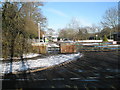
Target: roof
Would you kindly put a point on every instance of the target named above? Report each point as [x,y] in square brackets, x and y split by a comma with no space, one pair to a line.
[118,33]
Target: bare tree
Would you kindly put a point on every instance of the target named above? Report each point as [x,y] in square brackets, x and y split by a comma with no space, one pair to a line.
[110,18]
[74,24]
[68,33]
[74,31]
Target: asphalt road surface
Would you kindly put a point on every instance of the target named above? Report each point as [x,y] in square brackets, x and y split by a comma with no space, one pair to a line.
[93,70]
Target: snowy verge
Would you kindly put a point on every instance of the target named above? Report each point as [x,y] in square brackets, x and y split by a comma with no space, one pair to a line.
[29,55]
[39,63]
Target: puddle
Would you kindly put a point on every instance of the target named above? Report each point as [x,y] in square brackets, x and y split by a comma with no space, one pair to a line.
[109,77]
[29,79]
[92,77]
[22,79]
[42,79]
[80,70]
[89,80]
[4,79]
[96,74]
[58,79]
[74,78]
[112,70]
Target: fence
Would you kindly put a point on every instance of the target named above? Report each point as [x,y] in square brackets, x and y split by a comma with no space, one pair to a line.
[73,47]
[99,47]
[53,49]
[40,49]
[67,48]
[44,48]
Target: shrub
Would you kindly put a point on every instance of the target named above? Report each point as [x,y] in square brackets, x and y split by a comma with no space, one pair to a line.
[105,39]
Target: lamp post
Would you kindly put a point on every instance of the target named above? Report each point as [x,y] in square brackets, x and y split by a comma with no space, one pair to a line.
[110,34]
[96,36]
[40,24]
[43,38]
[39,31]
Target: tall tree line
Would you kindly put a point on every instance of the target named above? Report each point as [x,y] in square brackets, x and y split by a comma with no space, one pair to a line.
[108,25]
[19,23]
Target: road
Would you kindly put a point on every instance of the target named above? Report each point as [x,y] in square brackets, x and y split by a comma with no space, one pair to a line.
[93,70]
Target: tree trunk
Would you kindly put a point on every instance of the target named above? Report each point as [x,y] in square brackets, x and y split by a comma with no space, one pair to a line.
[12,54]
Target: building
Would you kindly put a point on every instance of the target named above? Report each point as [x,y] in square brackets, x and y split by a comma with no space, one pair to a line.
[51,35]
[116,37]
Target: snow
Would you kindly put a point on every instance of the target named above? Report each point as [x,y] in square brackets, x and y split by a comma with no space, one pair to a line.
[90,44]
[1,58]
[108,46]
[30,55]
[93,40]
[87,41]
[114,45]
[52,45]
[38,63]
[45,44]
[39,44]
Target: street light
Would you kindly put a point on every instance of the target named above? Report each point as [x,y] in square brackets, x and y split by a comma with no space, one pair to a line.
[110,34]
[39,31]
[96,36]
[43,38]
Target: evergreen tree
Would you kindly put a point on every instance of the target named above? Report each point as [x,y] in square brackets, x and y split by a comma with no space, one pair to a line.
[105,38]
[17,27]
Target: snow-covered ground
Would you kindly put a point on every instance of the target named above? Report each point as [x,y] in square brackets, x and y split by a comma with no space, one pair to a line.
[110,40]
[29,55]
[42,62]
[90,44]
[87,41]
